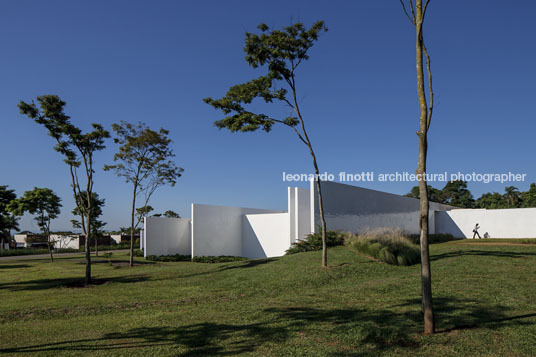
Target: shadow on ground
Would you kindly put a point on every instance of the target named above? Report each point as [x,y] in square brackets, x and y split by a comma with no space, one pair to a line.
[352,330]
[14,266]
[42,284]
[483,253]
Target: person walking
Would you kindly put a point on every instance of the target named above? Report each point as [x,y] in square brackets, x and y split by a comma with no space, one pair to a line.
[475,232]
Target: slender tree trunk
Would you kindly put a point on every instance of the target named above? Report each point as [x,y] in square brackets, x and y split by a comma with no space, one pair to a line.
[306,140]
[2,247]
[88,246]
[132,213]
[321,211]
[424,121]
[49,247]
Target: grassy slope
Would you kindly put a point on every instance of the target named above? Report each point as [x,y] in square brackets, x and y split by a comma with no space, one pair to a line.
[484,298]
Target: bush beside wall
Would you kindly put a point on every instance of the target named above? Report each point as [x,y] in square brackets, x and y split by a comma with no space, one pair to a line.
[389,245]
[314,242]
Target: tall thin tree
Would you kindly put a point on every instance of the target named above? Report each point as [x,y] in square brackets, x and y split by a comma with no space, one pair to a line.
[281,52]
[416,17]
[78,149]
[144,161]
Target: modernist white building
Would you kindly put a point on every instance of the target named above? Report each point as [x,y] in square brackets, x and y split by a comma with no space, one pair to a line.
[259,233]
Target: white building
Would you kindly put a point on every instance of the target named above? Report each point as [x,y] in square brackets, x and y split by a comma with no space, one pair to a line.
[260,233]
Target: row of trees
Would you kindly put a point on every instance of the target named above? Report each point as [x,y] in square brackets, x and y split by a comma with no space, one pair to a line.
[456,193]
[144,160]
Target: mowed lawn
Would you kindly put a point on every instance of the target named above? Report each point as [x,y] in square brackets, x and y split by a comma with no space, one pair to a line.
[484,295]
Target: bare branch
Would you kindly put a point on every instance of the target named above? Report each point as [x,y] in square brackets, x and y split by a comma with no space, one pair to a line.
[412,20]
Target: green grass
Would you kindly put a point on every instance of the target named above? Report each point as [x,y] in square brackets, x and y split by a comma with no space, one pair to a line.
[484,297]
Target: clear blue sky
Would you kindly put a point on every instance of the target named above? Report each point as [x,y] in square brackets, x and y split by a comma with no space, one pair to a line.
[154,61]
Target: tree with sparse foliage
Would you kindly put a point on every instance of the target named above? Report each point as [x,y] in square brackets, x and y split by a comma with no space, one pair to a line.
[44,204]
[8,221]
[280,52]
[171,214]
[96,211]
[144,160]
[78,149]
[416,17]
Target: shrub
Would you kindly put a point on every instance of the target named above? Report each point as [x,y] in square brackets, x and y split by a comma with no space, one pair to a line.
[314,242]
[138,253]
[389,245]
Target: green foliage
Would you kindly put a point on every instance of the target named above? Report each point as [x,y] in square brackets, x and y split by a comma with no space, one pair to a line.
[187,258]
[457,194]
[41,202]
[388,245]
[144,160]
[8,220]
[280,52]
[314,242]
[171,214]
[96,211]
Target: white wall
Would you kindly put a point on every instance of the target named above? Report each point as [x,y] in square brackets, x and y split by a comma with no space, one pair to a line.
[353,209]
[65,241]
[265,235]
[166,236]
[498,223]
[303,213]
[217,230]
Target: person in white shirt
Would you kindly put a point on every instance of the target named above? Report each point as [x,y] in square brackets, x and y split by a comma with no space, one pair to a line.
[475,231]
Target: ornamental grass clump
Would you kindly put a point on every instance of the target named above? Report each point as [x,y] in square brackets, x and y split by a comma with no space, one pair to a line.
[389,245]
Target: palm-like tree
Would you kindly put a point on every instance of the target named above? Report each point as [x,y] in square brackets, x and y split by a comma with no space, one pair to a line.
[512,195]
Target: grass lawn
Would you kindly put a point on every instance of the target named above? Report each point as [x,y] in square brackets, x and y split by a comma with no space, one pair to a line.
[484,295]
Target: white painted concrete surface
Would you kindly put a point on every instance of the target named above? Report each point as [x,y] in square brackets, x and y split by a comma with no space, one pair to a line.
[354,209]
[498,223]
[265,235]
[217,230]
[168,236]
[61,241]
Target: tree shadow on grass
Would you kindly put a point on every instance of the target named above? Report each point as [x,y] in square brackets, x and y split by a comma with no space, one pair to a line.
[483,253]
[233,265]
[346,331]
[43,284]
[14,266]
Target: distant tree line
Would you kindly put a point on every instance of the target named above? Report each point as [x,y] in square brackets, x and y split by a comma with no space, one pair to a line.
[457,194]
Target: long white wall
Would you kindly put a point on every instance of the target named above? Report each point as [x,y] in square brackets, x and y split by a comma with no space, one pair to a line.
[498,223]
[353,209]
[167,236]
[265,235]
[217,230]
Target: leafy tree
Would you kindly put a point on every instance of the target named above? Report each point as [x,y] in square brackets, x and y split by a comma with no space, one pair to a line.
[280,52]
[512,196]
[455,193]
[171,214]
[417,16]
[8,221]
[491,201]
[528,198]
[96,211]
[78,149]
[144,161]
[434,195]
[44,204]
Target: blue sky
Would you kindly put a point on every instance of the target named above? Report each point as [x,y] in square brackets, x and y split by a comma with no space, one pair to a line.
[154,61]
